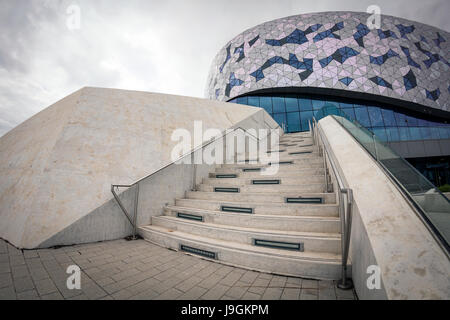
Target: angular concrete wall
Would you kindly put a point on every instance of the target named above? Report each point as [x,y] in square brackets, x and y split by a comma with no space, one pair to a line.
[386,231]
[58,166]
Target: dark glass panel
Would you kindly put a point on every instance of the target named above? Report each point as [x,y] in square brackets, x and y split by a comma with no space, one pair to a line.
[346,105]
[380,133]
[389,118]
[253,101]
[362,116]
[305,104]
[425,132]
[404,133]
[293,121]
[318,104]
[375,117]
[266,103]
[414,133]
[291,104]
[278,105]
[392,134]
[305,116]
[280,118]
[242,100]
[400,118]
[412,122]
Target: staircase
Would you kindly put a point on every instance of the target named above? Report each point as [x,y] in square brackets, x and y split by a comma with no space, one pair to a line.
[284,224]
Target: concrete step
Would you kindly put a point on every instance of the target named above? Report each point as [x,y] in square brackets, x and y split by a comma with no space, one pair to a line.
[313,242]
[284,181]
[278,197]
[292,263]
[273,222]
[295,165]
[248,189]
[283,171]
[330,209]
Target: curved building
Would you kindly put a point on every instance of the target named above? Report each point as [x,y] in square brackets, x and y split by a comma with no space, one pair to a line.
[394,80]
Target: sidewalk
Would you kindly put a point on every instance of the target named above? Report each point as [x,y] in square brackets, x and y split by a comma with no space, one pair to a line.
[140,270]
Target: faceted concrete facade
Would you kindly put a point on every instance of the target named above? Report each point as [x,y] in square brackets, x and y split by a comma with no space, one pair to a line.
[403,59]
[58,166]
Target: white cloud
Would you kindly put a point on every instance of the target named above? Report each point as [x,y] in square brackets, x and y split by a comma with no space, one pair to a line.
[159,46]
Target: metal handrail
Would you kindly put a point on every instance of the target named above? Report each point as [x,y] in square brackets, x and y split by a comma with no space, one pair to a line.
[345,208]
[133,220]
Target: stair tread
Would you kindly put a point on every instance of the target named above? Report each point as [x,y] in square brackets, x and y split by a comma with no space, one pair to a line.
[279,193]
[312,256]
[278,204]
[268,216]
[284,233]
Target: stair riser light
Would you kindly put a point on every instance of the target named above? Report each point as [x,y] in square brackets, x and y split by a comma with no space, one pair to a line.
[227,190]
[189,216]
[199,252]
[279,245]
[304,200]
[236,209]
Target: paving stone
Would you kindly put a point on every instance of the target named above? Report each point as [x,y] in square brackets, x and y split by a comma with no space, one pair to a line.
[189,283]
[327,294]
[23,284]
[216,292]
[45,287]
[4,267]
[291,294]
[193,294]
[28,295]
[272,294]
[5,280]
[249,276]
[30,254]
[170,294]
[146,295]
[7,293]
[20,271]
[4,258]
[93,291]
[52,296]
[237,291]
[278,282]
[345,294]
[251,296]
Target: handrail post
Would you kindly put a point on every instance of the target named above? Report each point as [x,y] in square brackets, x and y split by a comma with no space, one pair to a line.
[346,223]
[136,203]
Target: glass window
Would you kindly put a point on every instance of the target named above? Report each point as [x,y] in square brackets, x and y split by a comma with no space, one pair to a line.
[350,113]
[412,122]
[388,117]
[444,132]
[253,101]
[362,116]
[278,105]
[281,119]
[434,133]
[266,103]
[425,133]
[414,133]
[375,117]
[404,133]
[291,104]
[392,134]
[293,121]
[305,104]
[305,116]
[346,105]
[380,133]
[317,104]
[242,100]
[400,118]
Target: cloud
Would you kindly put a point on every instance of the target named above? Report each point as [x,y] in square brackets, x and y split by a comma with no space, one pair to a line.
[158,46]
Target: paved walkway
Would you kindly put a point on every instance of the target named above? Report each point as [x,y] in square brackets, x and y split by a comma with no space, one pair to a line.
[140,270]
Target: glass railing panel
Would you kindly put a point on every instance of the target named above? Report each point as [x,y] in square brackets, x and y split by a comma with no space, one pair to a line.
[435,207]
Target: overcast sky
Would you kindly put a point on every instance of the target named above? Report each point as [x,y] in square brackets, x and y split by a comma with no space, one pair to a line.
[159,46]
